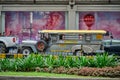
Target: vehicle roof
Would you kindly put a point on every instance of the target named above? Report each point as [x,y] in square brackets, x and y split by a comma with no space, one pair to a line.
[75,31]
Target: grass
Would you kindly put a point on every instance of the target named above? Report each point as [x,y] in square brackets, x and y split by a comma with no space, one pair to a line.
[43,74]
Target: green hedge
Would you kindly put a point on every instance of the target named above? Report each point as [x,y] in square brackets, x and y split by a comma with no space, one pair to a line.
[32,61]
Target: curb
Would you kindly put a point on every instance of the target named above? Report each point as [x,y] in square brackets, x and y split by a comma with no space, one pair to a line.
[50,78]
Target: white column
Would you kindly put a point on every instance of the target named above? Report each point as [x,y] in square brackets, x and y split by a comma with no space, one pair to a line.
[77,20]
[66,20]
[2,22]
[71,17]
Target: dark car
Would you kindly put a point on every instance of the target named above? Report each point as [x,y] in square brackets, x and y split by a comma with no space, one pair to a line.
[112,46]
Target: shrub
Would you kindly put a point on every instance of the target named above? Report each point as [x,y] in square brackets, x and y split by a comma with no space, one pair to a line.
[60,70]
[103,65]
[104,60]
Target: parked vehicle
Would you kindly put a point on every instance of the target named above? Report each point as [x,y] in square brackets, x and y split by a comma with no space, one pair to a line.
[112,46]
[7,43]
[77,42]
[28,46]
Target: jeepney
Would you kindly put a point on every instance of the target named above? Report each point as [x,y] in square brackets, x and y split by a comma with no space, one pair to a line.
[77,42]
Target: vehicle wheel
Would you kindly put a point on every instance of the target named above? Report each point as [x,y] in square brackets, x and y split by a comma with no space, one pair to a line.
[41,46]
[26,51]
[78,53]
[2,48]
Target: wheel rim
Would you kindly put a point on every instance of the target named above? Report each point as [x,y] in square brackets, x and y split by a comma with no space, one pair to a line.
[79,53]
[2,49]
[41,46]
[26,51]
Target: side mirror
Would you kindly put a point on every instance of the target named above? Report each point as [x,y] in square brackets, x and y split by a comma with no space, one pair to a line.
[111,37]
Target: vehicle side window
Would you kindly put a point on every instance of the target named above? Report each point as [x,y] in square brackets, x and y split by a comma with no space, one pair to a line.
[61,37]
[107,43]
[115,43]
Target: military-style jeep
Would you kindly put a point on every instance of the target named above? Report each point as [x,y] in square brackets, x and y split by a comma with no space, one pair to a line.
[7,43]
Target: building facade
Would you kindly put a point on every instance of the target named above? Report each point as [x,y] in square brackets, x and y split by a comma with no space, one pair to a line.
[19,17]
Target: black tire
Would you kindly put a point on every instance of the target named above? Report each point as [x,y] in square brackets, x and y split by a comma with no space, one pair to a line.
[26,50]
[2,48]
[41,46]
[78,53]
